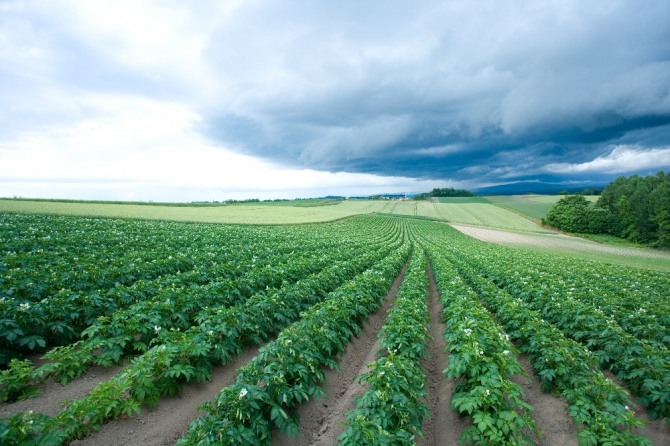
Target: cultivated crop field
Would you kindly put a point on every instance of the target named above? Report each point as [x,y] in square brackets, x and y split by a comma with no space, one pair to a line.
[473,211]
[533,206]
[373,329]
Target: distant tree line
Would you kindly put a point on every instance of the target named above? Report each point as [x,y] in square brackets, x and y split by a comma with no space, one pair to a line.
[583,192]
[444,192]
[636,208]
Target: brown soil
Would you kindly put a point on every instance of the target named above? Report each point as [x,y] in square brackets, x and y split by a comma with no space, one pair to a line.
[550,416]
[169,421]
[443,426]
[321,420]
[52,394]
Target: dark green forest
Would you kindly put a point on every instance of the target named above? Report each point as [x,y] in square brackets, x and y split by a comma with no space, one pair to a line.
[444,192]
[635,208]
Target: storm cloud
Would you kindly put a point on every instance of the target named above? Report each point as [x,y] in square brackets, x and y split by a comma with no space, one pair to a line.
[458,90]
[463,93]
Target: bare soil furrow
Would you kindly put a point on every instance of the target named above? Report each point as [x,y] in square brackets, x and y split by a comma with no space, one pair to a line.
[551,418]
[321,420]
[170,420]
[51,393]
[443,426]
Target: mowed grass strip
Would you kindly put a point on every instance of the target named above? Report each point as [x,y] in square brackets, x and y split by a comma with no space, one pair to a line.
[483,214]
[480,214]
[533,206]
[241,213]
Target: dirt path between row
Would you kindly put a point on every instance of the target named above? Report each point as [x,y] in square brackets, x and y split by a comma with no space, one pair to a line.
[321,420]
[549,414]
[443,426]
[51,393]
[169,421]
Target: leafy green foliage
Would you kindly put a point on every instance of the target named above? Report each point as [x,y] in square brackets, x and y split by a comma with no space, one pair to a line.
[637,208]
[570,317]
[445,192]
[599,408]
[483,358]
[288,371]
[574,213]
[392,410]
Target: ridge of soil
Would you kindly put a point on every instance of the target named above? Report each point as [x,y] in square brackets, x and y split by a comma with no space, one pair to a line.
[52,394]
[169,421]
[549,411]
[443,426]
[322,420]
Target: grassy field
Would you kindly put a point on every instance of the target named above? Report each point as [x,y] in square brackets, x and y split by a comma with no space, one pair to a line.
[533,206]
[244,213]
[472,213]
[461,200]
[607,250]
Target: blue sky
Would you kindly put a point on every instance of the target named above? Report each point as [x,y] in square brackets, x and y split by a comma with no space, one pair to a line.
[210,100]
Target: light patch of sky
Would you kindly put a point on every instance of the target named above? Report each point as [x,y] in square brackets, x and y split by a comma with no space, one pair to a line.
[622,158]
[135,99]
[148,150]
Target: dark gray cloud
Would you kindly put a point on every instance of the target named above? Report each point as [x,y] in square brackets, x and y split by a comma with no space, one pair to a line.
[469,92]
[491,91]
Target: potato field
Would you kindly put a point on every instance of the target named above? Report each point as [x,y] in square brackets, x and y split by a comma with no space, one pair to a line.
[369,330]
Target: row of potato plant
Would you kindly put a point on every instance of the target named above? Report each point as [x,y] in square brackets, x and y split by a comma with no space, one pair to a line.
[69,315]
[644,368]
[288,371]
[132,329]
[483,359]
[635,303]
[189,256]
[182,356]
[393,408]
[600,409]
[42,254]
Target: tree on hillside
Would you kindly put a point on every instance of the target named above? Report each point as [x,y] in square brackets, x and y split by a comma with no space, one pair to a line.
[636,208]
[641,206]
[445,192]
[569,214]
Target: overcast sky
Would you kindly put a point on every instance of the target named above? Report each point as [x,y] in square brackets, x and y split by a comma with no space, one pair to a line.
[210,100]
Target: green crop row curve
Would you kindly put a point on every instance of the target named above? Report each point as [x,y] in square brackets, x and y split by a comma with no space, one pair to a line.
[132,329]
[192,255]
[288,371]
[483,359]
[599,408]
[644,368]
[393,408]
[182,356]
[636,303]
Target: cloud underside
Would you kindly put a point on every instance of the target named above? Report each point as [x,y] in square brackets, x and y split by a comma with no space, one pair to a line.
[444,91]
[441,90]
